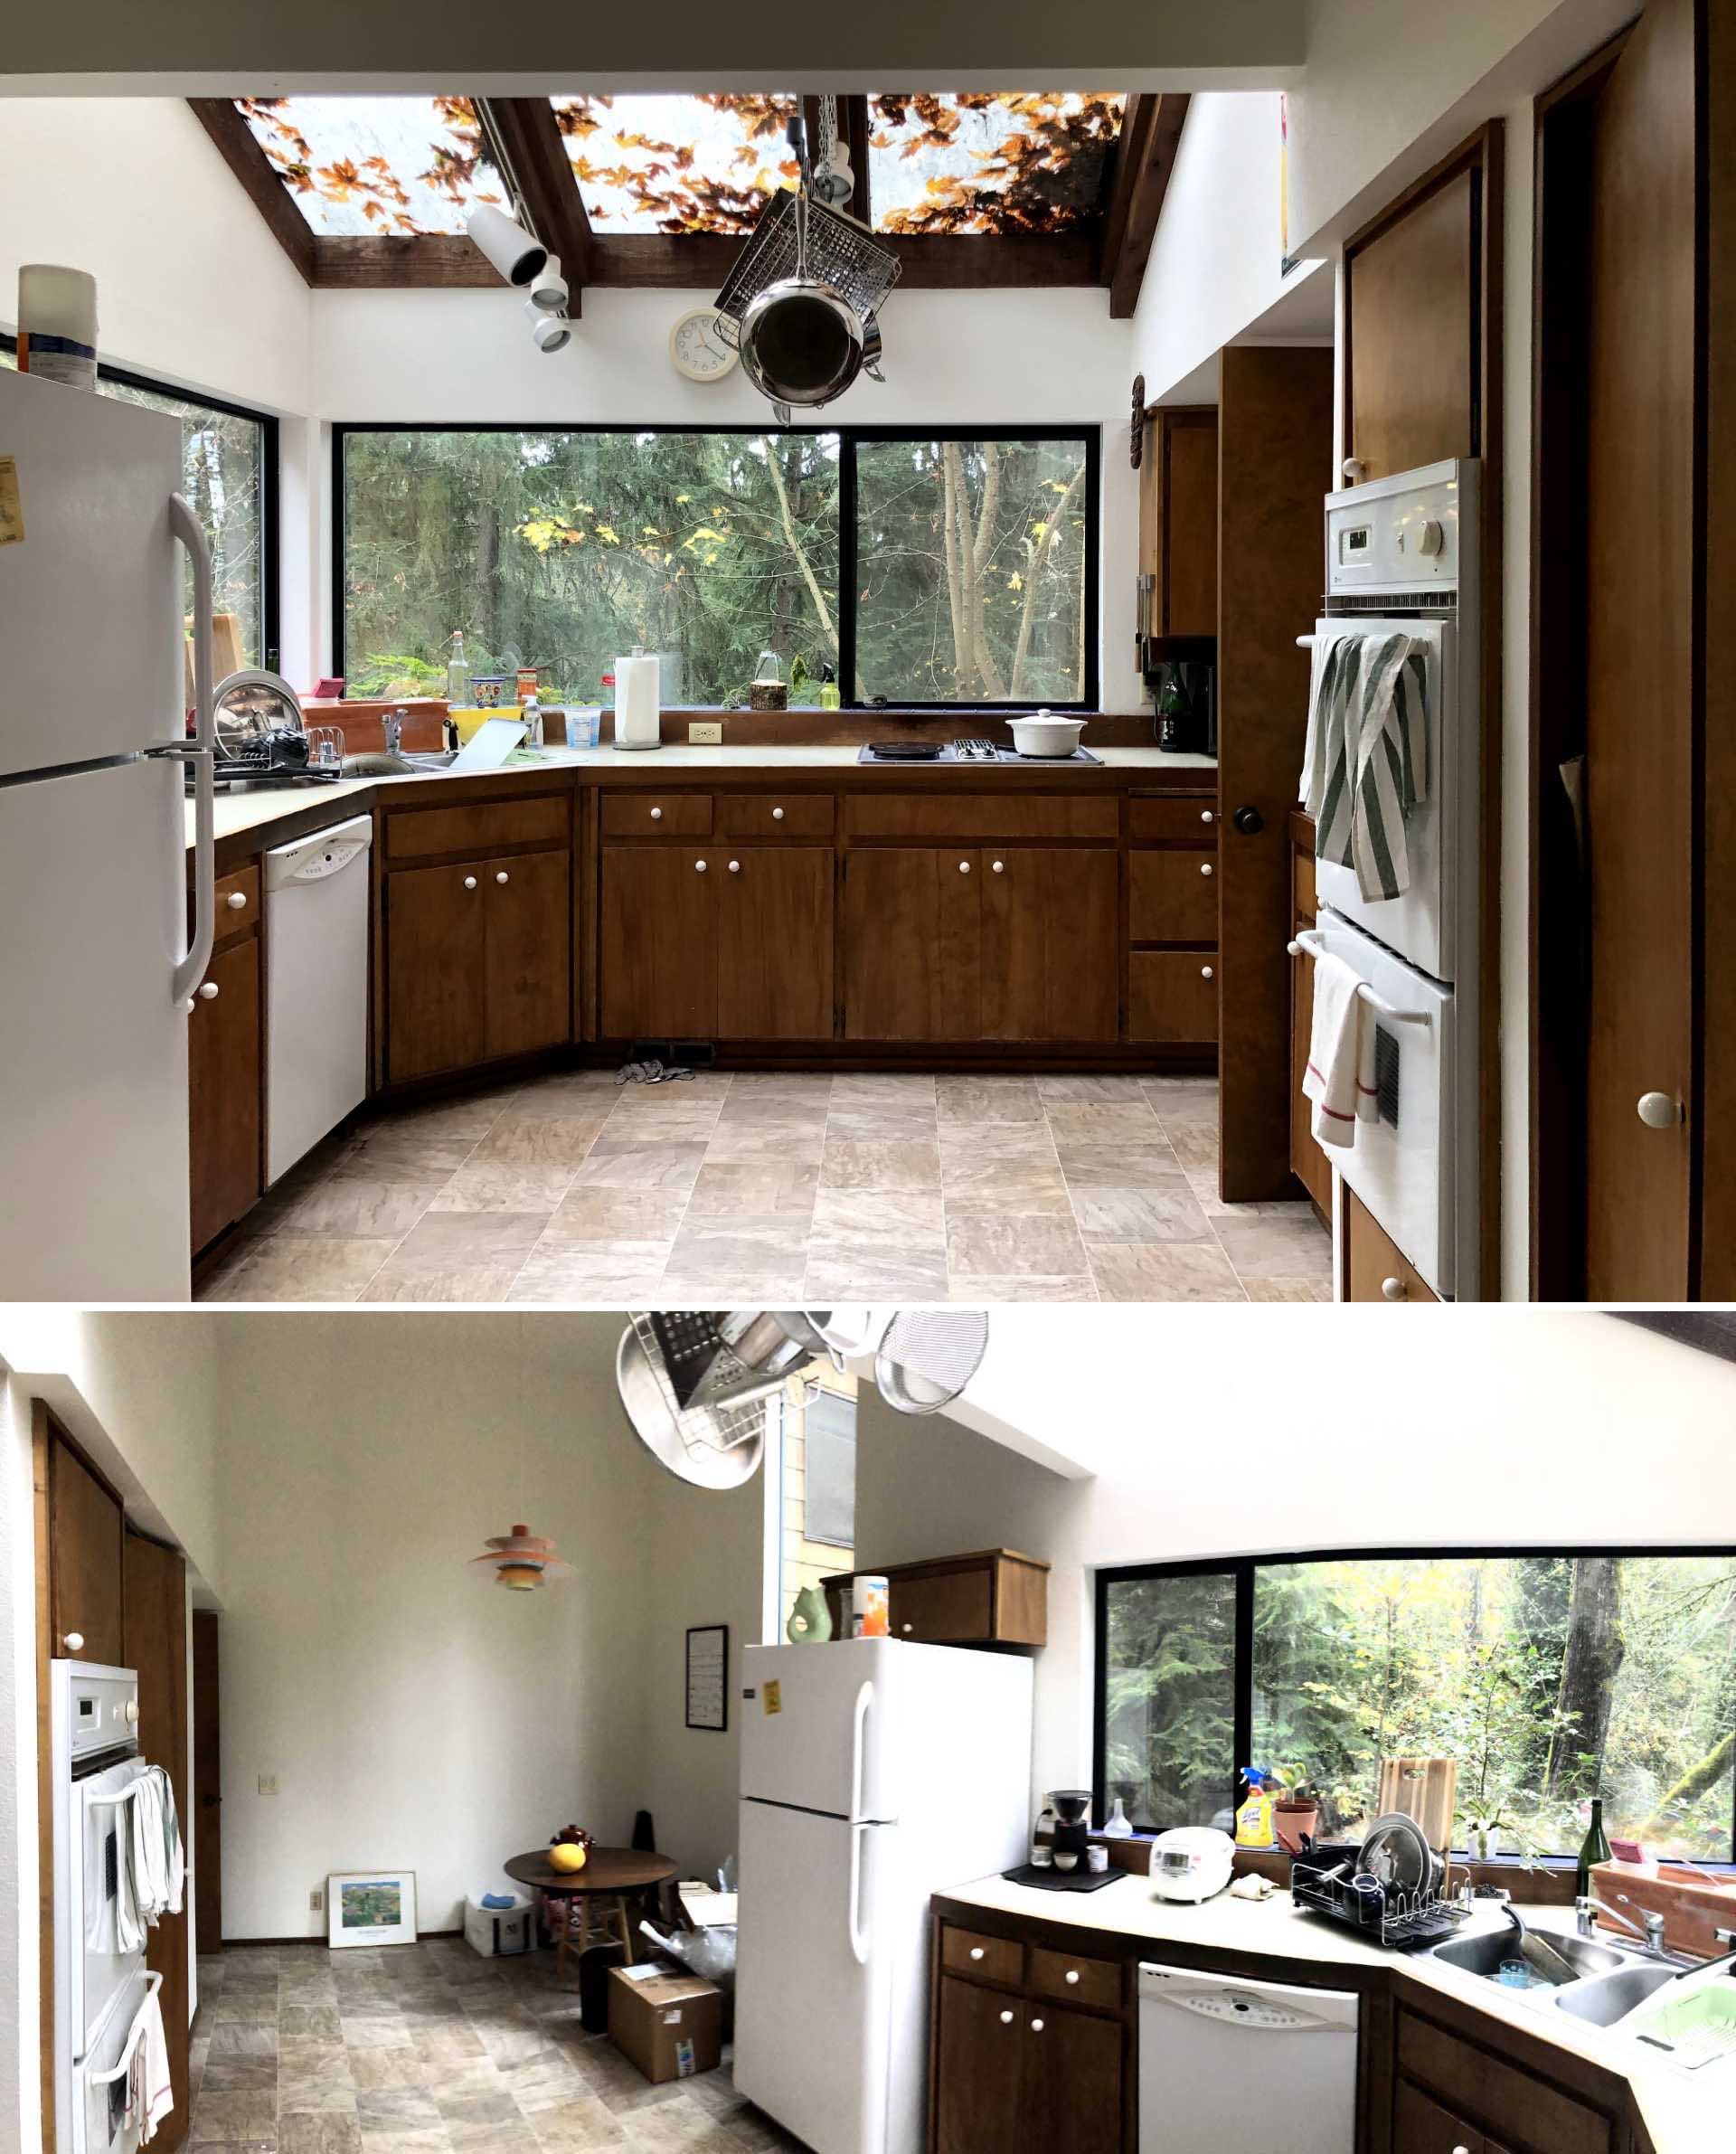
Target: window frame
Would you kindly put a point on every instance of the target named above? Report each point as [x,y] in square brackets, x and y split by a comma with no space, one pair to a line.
[1088,434]
[1241,1569]
[270,486]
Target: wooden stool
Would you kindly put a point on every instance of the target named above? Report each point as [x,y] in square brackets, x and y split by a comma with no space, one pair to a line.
[600,1921]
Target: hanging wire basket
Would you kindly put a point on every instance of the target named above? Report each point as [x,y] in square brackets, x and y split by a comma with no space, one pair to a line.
[837,252]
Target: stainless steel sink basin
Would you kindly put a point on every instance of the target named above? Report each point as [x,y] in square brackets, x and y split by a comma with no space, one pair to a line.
[1483,1955]
[1611,1996]
[438,760]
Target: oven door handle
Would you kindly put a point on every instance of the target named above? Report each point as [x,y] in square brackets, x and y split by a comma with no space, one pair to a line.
[153,1983]
[1308,944]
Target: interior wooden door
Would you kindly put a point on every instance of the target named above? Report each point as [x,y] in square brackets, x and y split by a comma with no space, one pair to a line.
[1413,332]
[912,943]
[224,1092]
[1275,450]
[775,941]
[528,916]
[85,1528]
[207,1785]
[156,1625]
[1639,663]
[1072,2081]
[977,2070]
[435,970]
[1050,939]
[659,959]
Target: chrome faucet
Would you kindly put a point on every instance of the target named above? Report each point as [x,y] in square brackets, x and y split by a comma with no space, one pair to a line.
[394,723]
[1649,1928]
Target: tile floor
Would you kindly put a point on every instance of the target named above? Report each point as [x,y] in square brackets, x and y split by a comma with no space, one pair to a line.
[812,1187]
[421,2049]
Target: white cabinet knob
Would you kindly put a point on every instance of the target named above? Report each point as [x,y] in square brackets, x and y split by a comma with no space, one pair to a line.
[699,867]
[73,1641]
[1206,816]
[907,1627]
[735,867]
[1658,1111]
[975,1951]
[1000,867]
[1461,2149]
[656,814]
[1393,1289]
[1072,1974]
[501,877]
[1006,2018]
[777,814]
[1205,972]
[236,901]
[963,867]
[1036,2026]
[469,882]
[1354,470]
[1206,867]
[208,990]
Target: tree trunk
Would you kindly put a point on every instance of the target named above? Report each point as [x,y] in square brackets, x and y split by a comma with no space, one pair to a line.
[952,485]
[987,672]
[1593,1655]
[1040,561]
[1692,1784]
[827,626]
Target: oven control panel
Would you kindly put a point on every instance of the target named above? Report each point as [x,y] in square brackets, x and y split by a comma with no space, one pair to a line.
[1397,535]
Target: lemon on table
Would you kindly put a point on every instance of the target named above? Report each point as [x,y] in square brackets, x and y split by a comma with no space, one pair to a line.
[564,1856]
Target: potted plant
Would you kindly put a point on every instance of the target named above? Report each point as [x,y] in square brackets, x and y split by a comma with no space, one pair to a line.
[1296,1815]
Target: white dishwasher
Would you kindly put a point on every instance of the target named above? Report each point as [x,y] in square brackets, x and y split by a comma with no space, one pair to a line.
[317,988]
[1224,2062]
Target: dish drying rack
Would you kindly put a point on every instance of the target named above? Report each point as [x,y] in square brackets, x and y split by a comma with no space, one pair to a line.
[835,250]
[1402,1918]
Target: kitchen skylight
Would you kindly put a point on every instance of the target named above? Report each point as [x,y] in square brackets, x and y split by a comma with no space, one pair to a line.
[1000,161]
[676,164]
[385,167]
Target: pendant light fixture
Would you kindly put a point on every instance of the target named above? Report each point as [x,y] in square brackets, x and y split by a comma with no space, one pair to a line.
[521,1561]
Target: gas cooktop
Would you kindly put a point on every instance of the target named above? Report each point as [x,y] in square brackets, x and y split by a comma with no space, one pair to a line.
[966,749]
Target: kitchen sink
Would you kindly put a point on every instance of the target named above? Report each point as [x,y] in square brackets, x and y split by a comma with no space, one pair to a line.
[1611,1996]
[1483,1954]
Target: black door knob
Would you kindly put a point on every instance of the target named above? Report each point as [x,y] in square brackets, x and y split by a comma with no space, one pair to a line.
[1249,821]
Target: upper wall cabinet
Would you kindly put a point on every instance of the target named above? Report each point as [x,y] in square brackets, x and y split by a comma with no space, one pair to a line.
[85,1526]
[1178,520]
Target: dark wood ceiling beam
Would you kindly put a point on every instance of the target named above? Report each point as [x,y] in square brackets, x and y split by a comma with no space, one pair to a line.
[530,140]
[1138,179]
[266,190]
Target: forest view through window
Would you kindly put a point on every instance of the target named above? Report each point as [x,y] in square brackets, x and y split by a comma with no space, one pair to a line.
[911,571]
[1549,1678]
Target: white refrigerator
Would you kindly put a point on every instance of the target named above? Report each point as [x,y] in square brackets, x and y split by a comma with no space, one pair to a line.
[97,961]
[873,1773]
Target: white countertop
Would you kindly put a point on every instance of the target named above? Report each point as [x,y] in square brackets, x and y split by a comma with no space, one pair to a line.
[1684,2114]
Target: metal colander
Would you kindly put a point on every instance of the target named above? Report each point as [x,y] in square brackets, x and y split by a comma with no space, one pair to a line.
[838,253]
[715,1445]
[928,1355]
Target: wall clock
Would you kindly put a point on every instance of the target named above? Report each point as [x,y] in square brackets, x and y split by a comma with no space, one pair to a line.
[697,348]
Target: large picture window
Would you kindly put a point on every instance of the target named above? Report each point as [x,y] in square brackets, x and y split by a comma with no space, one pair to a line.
[1549,1678]
[915,569]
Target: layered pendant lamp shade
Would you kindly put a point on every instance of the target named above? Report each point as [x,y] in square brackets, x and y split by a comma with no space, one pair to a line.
[521,1561]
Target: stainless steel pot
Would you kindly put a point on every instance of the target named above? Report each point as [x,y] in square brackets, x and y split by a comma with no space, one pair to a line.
[802,343]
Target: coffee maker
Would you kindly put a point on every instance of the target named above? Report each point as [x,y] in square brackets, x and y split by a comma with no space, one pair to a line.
[1072,1833]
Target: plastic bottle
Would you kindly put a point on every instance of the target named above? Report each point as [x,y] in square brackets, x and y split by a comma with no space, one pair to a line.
[457,673]
[831,696]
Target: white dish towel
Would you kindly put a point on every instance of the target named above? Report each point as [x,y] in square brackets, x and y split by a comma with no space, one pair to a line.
[1340,1076]
[150,2096]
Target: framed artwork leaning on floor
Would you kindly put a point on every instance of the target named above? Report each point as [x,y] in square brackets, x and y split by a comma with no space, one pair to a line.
[371,1907]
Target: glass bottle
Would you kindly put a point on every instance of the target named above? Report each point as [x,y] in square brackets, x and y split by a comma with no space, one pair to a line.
[1116,1825]
[457,673]
[1593,1849]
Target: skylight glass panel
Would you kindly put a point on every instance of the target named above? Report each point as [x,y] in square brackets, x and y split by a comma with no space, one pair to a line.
[999,161]
[677,164]
[389,167]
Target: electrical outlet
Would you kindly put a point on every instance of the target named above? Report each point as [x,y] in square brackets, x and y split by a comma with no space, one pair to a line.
[316,1900]
[267,1784]
[706,732]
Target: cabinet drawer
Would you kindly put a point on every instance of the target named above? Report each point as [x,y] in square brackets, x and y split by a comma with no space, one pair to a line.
[979,815]
[1076,1981]
[483,827]
[1173,996]
[988,1959]
[774,814]
[656,814]
[948,1608]
[1525,2110]
[1173,897]
[237,902]
[1375,1268]
[1189,821]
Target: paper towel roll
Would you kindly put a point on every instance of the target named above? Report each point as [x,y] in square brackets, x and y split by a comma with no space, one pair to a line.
[57,324]
[638,713]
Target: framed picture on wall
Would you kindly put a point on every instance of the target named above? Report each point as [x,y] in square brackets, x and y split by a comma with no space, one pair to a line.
[708,1677]
[371,1907]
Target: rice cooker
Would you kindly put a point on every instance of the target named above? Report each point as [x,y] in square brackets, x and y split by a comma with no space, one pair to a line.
[1190,1863]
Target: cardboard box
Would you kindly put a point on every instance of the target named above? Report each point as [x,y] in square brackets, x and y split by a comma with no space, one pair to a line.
[670,2024]
[705,1908]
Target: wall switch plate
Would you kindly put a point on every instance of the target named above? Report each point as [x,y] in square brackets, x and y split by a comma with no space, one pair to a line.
[316,1900]
[267,1784]
[706,732]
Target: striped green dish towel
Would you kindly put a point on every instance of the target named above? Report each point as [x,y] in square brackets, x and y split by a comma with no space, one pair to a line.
[1366,767]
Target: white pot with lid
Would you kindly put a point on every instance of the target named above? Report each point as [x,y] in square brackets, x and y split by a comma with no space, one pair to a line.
[1043,735]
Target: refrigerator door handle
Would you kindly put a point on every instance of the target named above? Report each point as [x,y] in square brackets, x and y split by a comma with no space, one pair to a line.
[190,971]
[865,1698]
[859,1938]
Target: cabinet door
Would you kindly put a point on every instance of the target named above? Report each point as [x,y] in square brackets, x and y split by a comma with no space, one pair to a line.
[1172,996]
[1422,2126]
[528,912]
[1411,326]
[435,970]
[84,1535]
[1071,2083]
[913,944]
[659,942]
[1190,482]
[774,944]
[977,2071]
[223,1043]
[155,1602]
[1173,897]
[1375,1268]
[1050,937]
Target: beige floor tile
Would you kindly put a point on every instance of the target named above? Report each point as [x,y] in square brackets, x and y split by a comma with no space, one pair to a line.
[1084,1092]
[771,1188]
[907,1219]
[1009,1245]
[220,2120]
[1194,1144]
[1170,1213]
[880,1125]
[443,1241]
[847,1166]
[392,1154]
[318,2133]
[641,1163]
[759,1138]
[472,1113]
[1019,1186]
[489,1185]
[540,1140]
[895,1089]
[1294,1248]
[591,1274]
[593,1213]
[996,1140]
[394,2067]
[845,1270]
[584,1093]
[577,2126]
[421,1281]
[1183,1099]
[297,1268]
[1164,1272]
[987,1292]
[989,1100]
[1129,1121]
[1289,1290]
[350,1206]
[1152,1165]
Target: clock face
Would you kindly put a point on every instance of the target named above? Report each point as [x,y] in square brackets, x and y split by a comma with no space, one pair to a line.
[698,350]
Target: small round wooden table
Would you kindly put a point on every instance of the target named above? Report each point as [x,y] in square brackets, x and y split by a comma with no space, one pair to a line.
[597,1894]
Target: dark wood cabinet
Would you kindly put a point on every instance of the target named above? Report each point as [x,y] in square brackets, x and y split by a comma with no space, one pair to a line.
[913,944]
[1422,2126]
[1178,519]
[85,1525]
[1070,2082]
[1375,1268]
[225,1079]
[154,1597]
[774,943]
[1172,896]
[659,959]
[978,2075]
[1447,2089]
[527,955]
[993,1596]
[1172,996]
[1049,934]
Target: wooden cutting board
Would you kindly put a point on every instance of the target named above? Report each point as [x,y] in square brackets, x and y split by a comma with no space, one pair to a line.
[1425,1789]
[226,654]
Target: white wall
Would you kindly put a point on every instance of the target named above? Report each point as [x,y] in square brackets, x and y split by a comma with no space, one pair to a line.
[1539,1427]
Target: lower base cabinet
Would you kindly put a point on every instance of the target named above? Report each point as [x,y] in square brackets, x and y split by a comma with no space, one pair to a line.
[225,1049]
[1011,2072]
[1375,1269]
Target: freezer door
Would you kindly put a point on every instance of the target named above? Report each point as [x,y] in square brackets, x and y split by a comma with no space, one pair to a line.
[820,1727]
[93,1051]
[813,1979]
[90,591]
